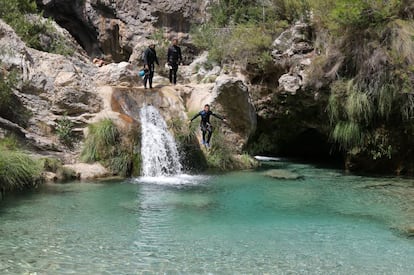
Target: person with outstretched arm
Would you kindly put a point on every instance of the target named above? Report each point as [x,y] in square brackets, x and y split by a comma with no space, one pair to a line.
[205,125]
[174,58]
[150,57]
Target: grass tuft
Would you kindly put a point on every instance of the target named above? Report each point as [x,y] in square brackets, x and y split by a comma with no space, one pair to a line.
[17,169]
[348,134]
[100,141]
[118,151]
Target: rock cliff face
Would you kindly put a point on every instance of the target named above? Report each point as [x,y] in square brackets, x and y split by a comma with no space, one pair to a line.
[48,87]
[53,87]
[291,117]
[280,111]
[117,29]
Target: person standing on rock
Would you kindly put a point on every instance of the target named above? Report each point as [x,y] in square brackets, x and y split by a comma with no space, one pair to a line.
[174,58]
[205,126]
[150,58]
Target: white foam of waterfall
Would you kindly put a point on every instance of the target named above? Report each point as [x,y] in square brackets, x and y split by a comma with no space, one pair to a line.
[158,148]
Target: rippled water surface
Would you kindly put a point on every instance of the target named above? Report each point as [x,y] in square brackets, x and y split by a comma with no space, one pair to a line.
[237,223]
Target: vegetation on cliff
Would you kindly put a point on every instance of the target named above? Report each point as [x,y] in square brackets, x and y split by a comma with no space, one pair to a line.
[364,62]
[17,169]
[113,147]
[371,103]
[32,28]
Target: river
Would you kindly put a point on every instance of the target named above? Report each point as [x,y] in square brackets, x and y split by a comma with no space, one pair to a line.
[325,222]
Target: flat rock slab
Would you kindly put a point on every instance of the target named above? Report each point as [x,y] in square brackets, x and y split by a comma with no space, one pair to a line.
[89,171]
[282,174]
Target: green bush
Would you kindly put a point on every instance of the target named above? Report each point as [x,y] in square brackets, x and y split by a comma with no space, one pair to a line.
[17,169]
[359,14]
[220,156]
[51,164]
[242,43]
[191,155]
[118,151]
[349,135]
[64,131]
[100,141]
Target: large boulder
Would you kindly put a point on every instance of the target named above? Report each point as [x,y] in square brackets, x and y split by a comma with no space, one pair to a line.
[118,74]
[228,96]
[85,171]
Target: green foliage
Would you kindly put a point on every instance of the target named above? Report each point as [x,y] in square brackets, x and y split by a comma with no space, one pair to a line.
[371,104]
[59,44]
[378,144]
[235,12]
[242,31]
[64,131]
[220,156]
[358,107]
[105,143]
[51,164]
[15,13]
[243,43]
[386,97]
[185,135]
[11,107]
[263,144]
[341,16]
[8,81]
[17,169]
[348,134]
[291,10]
[100,141]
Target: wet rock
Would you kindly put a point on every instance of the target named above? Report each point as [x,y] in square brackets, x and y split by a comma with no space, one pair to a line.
[410,231]
[50,176]
[282,174]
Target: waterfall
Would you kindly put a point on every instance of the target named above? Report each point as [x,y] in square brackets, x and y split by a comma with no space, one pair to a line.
[158,149]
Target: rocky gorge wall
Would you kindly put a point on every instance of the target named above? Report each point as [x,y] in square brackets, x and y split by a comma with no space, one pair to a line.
[281,111]
[117,30]
[53,87]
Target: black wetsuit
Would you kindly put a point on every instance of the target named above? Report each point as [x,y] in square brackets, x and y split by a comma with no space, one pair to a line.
[174,58]
[205,125]
[150,57]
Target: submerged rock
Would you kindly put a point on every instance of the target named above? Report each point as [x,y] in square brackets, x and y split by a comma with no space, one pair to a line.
[282,174]
[410,231]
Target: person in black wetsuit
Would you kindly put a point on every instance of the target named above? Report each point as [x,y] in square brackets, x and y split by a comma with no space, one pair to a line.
[205,125]
[150,57]
[174,58]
